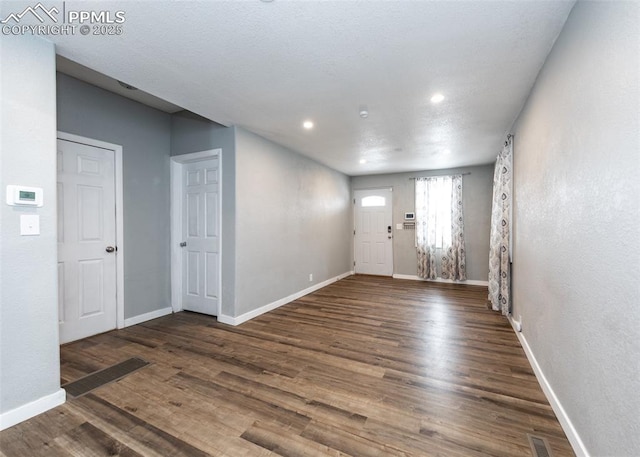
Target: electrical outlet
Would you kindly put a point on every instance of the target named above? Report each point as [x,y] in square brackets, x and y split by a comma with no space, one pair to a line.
[310,277]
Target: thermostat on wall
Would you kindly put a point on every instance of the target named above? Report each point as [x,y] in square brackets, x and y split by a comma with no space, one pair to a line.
[409,216]
[24,196]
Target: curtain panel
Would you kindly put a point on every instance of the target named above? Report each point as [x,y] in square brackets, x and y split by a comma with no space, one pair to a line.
[440,227]
[454,262]
[499,261]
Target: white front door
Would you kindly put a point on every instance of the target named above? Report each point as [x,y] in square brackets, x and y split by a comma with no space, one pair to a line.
[86,240]
[373,232]
[201,236]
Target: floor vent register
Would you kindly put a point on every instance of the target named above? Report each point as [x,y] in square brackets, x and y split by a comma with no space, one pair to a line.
[99,378]
[539,446]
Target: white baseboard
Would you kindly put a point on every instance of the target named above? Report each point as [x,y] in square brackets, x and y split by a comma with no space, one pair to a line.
[147,316]
[569,430]
[39,406]
[230,320]
[469,282]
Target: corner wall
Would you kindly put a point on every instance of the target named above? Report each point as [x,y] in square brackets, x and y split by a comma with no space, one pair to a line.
[192,133]
[576,259]
[477,189]
[292,220]
[144,134]
[29,353]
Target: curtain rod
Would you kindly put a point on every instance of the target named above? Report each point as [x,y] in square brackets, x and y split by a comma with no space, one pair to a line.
[435,176]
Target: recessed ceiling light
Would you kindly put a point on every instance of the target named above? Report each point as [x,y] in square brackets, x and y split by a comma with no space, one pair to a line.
[437,98]
[307,125]
[363,161]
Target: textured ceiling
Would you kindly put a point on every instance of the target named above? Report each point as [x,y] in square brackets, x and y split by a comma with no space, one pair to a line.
[267,66]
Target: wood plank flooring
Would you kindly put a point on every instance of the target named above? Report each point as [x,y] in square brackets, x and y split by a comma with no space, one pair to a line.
[367,366]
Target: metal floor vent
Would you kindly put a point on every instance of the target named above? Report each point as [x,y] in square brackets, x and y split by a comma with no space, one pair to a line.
[105,376]
[539,446]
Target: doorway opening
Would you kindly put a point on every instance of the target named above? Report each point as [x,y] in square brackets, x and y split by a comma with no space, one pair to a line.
[196,238]
[90,237]
[373,232]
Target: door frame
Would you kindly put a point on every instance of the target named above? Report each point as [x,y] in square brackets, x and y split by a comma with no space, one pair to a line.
[117,150]
[176,222]
[354,218]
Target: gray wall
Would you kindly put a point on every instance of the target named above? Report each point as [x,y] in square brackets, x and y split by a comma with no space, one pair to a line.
[292,219]
[144,134]
[577,218]
[477,189]
[192,133]
[29,354]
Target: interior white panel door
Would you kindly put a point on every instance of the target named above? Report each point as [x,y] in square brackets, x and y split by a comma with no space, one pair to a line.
[86,240]
[373,232]
[201,236]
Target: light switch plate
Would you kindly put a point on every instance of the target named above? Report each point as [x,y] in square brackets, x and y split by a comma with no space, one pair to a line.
[398,226]
[29,224]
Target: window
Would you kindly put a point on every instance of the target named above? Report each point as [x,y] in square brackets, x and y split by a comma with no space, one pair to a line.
[433,211]
[440,227]
[373,200]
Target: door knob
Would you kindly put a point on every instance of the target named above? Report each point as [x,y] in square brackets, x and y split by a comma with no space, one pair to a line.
[110,249]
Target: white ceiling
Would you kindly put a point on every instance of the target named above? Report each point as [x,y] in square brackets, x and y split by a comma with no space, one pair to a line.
[268,66]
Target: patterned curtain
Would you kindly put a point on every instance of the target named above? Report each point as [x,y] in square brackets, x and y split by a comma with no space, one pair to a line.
[426,220]
[439,227]
[499,262]
[454,262]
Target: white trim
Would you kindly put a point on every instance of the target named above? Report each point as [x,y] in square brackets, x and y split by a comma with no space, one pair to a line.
[175,212]
[147,316]
[276,304]
[468,282]
[31,409]
[196,156]
[176,222]
[117,149]
[572,434]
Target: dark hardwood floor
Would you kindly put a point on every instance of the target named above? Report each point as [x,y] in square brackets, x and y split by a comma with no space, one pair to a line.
[367,366]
